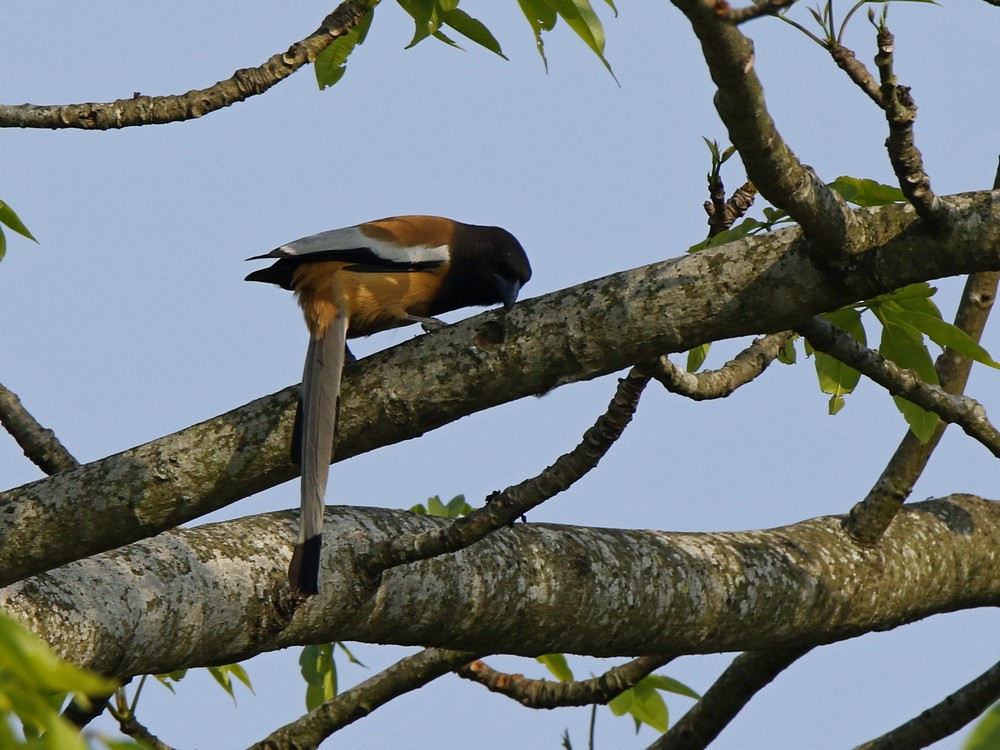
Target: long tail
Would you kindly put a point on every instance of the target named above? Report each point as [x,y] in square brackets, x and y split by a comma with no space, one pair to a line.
[316,426]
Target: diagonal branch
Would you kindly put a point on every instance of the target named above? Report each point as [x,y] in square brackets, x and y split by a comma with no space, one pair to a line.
[945,718]
[750,12]
[406,675]
[39,444]
[503,508]
[552,694]
[966,412]
[869,519]
[742,369]
[743,679]
[155,110]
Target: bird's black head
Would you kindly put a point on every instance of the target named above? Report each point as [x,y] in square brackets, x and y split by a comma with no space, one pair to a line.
[488,267]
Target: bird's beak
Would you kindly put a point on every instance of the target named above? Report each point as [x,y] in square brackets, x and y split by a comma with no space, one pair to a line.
[508,290]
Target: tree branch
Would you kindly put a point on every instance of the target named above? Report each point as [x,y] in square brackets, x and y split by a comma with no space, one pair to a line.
[802,584]
[740,370]
[750,12]
[503,508]
[945,718]
[742,680]
[870,518]
[759,284]
[770,163]
[553,694]
[155,110]
[407,674]
[966,412]
[39,444]
[907,161]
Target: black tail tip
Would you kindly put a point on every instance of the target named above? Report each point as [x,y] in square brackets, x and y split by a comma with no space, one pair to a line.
[303,572]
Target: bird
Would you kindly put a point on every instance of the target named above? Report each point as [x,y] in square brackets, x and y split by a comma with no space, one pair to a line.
[359,280]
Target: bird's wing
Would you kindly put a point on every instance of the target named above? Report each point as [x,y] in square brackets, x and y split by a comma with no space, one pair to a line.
[352,245]
[318,408]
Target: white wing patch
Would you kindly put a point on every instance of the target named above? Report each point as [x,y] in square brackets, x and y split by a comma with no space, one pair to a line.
[351,238]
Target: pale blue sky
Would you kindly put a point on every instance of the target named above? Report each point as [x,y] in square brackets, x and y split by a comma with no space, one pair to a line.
[131,319]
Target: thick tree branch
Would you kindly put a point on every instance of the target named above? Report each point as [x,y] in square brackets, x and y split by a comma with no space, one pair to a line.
[407,674]
[503,508]
[757,285]
[553,694]
[945,718]
[966,412]
[770,163]
[39,444]
[155,110]
[740,370]
[743,679]
[807,583]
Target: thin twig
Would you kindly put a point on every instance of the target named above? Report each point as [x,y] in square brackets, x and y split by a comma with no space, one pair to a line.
[760,8]
[945,718]
[39,444]
[503,508]
[408,674]
[710,384]
[856,71]
[553,694]
[907,161]
[154,110]
[748,673]
[966,412]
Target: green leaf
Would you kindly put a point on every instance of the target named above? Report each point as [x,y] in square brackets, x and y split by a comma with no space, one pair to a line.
[738,232]
[331,64]
[662,682]
[986,734]
[3,244]
[835,377]
[944,334]
[904,345]
[424,14]
[222,673]
[697,356]
[787,354]
[557,665]
[10,219]
[472,29]
[350,656]
[649,707]
[320,673]
[542,17]
[866,192]
[580,16]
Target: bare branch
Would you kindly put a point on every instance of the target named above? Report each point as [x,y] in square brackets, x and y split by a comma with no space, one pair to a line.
[869,519]
[739,371]
[907,161]
[856,71]
[407,674]
[770,163]
[750,12]
[804,583]
[503,508]
[945,718]
[553,694]
[744,678]
[966,412]
[154,110]
[39,444]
